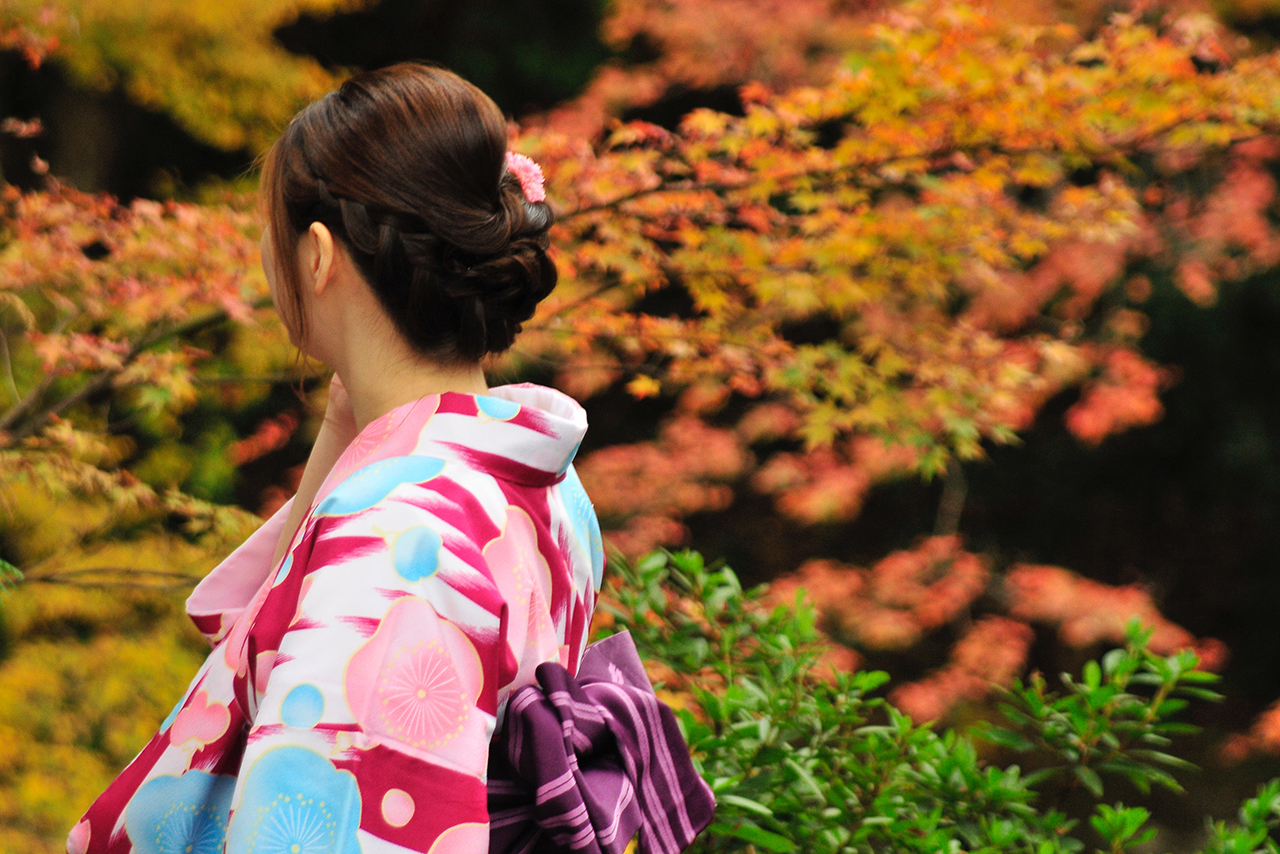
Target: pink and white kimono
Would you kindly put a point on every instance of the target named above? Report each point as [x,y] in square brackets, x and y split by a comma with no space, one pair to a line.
[352,690]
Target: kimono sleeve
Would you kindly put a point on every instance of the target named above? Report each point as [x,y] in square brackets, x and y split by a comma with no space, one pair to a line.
[375,697]
[227,590]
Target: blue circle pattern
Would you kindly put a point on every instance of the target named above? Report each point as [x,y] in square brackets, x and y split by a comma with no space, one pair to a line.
[586,527]
[302,707]
[497,408]
[416,553]
[184,814]
[371,484]
[296,802]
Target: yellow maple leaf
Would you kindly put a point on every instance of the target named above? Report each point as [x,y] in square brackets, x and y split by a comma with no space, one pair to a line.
[643,386]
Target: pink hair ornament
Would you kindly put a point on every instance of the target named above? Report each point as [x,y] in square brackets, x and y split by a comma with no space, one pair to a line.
[530,175]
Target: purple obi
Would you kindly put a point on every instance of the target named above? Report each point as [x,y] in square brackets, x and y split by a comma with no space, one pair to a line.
[583,764]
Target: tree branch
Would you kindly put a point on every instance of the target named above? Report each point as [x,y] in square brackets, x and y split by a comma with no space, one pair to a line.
[954,491]
[15,412]
[1108,146]
[99,382]
[8,365]
[126,577]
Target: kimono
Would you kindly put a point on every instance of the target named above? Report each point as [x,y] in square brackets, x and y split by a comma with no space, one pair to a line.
[352,691]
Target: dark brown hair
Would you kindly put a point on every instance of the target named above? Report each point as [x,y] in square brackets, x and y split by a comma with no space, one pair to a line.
[406,166]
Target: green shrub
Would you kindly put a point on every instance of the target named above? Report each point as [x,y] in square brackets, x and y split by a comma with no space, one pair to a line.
[805,759]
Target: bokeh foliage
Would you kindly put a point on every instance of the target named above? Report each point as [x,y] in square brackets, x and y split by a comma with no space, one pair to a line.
[214,67]
[805,758]
[885,257]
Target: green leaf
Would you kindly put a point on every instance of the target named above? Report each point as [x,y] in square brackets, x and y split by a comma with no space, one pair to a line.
[650,563]
[755,835]
[1089,779]
[1201,677]
[1200,693]
[1092,674]
[1163,759]
[744,803]
[1005,738]
[805,777]
[869,680]
[1112,661]
[1036,777]
[10,576]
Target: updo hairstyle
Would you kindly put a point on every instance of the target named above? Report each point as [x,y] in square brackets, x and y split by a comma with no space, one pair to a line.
[406,166]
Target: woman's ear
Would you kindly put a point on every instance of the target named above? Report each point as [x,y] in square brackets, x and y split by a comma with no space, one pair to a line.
[316,257]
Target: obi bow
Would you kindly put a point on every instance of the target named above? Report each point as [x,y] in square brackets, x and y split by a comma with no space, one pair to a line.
[583,764]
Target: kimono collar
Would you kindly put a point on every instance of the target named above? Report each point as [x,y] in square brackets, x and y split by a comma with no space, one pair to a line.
[523,433]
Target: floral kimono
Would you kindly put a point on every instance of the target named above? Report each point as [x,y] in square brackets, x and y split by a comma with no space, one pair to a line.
[352,690]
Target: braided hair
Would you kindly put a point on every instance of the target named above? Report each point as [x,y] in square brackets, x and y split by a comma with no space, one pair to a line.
[405,165]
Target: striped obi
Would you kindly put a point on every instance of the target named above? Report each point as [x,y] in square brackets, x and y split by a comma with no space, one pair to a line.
[585,763]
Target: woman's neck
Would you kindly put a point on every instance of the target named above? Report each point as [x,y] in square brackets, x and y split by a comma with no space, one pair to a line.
[349,330]
[378,381]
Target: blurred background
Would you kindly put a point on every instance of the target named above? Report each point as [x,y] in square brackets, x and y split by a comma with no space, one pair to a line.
[966,319]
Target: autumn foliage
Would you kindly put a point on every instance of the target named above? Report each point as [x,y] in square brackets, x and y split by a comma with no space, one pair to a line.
[922,225]
[902,266]
[214,67]
[105,301]
[913,595]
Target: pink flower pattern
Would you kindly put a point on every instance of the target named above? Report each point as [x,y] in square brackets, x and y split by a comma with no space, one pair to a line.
[422,701]
[416,681]
[200,722]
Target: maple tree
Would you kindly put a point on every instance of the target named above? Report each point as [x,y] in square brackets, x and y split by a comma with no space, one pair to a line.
[907,263]
[101,303]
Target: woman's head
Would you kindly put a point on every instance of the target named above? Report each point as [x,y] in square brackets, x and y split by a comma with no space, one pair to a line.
[406,167]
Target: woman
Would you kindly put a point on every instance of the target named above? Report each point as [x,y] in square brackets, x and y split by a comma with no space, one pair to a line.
[440,546]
